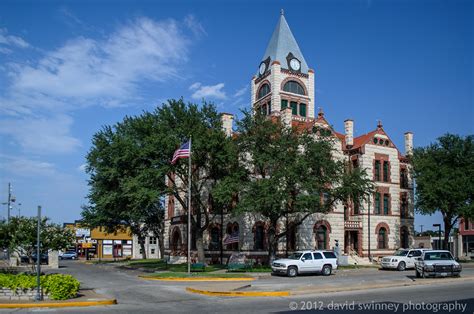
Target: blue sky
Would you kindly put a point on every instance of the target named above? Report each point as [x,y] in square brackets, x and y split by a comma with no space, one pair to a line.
[68,68]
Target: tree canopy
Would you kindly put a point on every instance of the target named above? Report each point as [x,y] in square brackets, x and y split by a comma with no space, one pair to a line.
[444,176]
[287,173]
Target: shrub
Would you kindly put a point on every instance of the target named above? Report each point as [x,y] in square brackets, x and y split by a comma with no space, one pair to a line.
[59,287]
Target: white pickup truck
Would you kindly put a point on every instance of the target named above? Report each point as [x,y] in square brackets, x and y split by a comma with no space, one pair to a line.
[402,259]
[437,263]
[323,262]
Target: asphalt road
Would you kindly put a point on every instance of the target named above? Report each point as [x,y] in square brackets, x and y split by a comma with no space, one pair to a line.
[138,296]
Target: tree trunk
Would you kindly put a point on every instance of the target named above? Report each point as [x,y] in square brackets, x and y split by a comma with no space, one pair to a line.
[272,243]
[447,230]
[161,244]
[200,246]
[141,241]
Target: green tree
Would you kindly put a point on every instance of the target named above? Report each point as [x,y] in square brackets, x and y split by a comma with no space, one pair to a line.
[126,179]
[176,122]
[444,176]
[287,173]
[22,236]
[128,164]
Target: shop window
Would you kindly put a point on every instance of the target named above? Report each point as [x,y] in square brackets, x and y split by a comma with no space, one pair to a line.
[303,110]
[294,108]
[382,239]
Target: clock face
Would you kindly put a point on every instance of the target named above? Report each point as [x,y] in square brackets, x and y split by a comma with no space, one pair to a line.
[295,64]
[262,68]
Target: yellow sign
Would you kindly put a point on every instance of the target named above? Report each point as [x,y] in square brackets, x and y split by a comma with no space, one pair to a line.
[86,245]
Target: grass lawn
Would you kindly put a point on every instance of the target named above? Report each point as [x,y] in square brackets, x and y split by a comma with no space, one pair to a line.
[173,274]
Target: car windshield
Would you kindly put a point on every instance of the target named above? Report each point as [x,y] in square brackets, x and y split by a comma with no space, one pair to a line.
[401,253]
[438,256]
[295,256]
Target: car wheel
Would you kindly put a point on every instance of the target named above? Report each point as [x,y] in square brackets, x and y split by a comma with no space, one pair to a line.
[401,266]
[73,257]
[327,270]
[425,275]
[292,271]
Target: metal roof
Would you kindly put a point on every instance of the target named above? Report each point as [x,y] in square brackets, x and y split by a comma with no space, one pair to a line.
[282,43]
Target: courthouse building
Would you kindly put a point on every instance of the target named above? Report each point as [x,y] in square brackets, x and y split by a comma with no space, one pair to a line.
[284,88]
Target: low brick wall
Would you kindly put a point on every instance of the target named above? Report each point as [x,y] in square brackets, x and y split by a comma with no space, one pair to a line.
[19,294]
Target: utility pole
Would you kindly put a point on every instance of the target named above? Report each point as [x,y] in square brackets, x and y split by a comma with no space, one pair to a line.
[38,257]
[9,202]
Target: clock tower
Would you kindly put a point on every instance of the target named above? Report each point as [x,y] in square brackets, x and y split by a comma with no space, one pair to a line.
[283,79]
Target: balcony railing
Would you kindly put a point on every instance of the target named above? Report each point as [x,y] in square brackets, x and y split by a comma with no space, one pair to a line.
[351,224]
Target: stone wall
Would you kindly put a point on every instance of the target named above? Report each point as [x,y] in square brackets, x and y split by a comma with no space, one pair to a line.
[20,295]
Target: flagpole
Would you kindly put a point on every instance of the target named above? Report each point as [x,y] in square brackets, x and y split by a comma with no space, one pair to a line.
[189,209]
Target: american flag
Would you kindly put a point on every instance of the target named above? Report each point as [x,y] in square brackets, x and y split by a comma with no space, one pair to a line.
[232,238]
[182,152]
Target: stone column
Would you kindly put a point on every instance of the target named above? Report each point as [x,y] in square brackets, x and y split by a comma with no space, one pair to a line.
[53,259]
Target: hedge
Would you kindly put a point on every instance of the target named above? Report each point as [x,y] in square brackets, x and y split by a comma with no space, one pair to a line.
[59,287]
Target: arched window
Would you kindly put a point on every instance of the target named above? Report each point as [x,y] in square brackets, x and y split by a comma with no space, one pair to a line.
[294,87]
[404,238]
[176,240]
[214,238]
[263,91]
[259,237]
[382,238]
[321,237]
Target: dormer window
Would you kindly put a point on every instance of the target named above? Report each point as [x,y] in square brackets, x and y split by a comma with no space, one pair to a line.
[263,91]
[294,87]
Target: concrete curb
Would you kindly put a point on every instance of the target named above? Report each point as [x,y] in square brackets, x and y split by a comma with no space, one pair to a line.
[197,279]
[382,286]
[57,304]
[240,293]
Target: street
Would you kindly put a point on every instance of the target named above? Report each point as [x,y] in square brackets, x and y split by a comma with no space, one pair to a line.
[137,295]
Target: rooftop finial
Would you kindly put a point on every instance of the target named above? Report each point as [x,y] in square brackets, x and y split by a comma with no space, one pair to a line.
[321,112]
[282,12]
[379,124]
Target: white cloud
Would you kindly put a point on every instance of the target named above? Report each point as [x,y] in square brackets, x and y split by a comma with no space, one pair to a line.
[41,135]
[10,40]
[194,25]
[82,168]
[241,91]
[208,92]
[108,71]
[25,167]
[195,86]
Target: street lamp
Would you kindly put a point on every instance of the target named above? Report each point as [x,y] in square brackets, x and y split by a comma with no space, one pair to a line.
[439,234]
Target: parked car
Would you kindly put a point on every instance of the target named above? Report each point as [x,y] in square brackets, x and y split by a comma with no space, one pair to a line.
[68,255]
[437,263]
[402,259]
[43,259]
[323,262]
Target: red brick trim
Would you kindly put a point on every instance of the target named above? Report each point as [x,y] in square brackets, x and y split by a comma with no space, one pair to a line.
[322,222]
[380,225]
